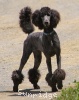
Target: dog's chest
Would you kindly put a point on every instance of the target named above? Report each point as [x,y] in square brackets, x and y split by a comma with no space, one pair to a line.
[38,43]
[48,48]
[44,45]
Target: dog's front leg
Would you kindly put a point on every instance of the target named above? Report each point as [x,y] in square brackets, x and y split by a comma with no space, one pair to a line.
[48,61]
[49,77]
[58,57]
[59,73]
[34,74]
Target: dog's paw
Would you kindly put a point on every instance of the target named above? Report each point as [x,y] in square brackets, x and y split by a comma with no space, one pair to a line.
[36,86]
[54,89]
[15,88]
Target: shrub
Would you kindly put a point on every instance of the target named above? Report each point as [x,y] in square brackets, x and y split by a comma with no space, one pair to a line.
[71,93]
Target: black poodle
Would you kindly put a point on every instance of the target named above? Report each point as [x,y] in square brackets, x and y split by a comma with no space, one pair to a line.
[46,42]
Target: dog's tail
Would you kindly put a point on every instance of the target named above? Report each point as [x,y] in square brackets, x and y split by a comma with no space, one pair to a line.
[26,20]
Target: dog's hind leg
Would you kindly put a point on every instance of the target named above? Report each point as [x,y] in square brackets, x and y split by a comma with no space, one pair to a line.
[48,61]
[34,73]
[58,57]
[27,50]
[17,75]
[59,74]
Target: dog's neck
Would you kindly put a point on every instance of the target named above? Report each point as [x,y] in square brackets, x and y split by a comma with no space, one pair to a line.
[48,31]
[48,34]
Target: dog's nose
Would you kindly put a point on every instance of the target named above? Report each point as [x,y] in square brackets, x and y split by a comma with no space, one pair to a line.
[46,23]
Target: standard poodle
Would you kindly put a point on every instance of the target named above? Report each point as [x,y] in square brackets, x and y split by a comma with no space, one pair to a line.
[46,42]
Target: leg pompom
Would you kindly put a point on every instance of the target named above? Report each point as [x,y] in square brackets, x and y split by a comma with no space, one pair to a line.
[34,76]
[51,82]
[59,75]
[17,78]
[49,79]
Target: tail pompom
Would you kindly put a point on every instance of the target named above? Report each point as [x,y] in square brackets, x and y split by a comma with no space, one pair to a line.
[59,74]
[26,20]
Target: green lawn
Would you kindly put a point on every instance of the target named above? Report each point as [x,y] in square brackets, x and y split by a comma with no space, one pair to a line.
[71,93]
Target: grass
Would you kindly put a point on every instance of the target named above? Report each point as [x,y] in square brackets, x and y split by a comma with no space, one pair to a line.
[71,93]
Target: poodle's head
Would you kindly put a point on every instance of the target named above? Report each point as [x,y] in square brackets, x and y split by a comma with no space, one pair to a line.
[45,18]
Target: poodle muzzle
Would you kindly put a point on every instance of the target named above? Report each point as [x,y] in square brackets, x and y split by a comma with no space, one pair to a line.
[46,21]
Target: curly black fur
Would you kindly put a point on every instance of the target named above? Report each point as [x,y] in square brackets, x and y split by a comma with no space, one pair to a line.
[49,79]
[55,18]
[56,79]
[59,74]
[51,82]
[38,14]
[17,78]
[34,76]
[36,19]
[26,21]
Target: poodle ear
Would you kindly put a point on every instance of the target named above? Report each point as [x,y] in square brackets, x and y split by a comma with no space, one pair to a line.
[36,19]
[55,18]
